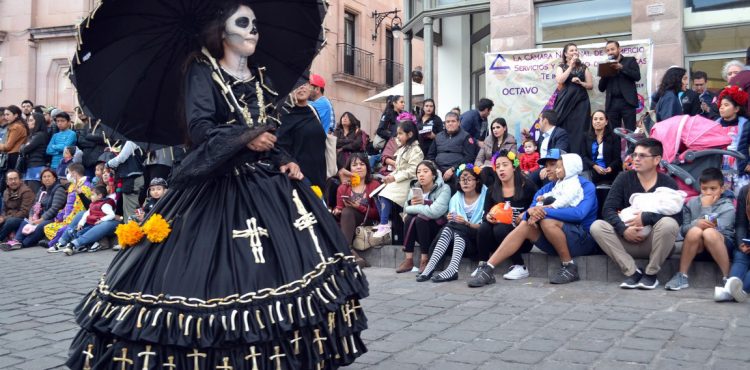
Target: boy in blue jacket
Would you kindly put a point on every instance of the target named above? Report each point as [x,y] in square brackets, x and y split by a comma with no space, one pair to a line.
[66,137]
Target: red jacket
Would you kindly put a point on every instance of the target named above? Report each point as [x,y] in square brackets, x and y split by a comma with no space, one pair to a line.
[530,162]
[346,190]
[95,210]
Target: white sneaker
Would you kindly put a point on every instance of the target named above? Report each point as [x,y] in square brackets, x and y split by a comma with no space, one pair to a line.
[734,285]
[516,272]
[117,247]
[383,230]
[722,295]
[54,249]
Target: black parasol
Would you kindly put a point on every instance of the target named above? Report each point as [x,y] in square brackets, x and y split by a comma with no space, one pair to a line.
[128,68]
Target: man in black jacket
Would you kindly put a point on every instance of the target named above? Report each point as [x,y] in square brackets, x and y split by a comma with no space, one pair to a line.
[623,241]
[550,137]
[452,147]
[622,99]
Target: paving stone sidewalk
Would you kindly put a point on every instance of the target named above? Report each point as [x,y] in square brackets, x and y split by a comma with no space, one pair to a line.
[510,325]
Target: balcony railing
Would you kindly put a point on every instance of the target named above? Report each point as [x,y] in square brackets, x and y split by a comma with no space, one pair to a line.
[393,72]
[355,61]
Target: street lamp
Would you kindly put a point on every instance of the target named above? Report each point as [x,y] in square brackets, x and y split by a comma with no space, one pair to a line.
[395,23]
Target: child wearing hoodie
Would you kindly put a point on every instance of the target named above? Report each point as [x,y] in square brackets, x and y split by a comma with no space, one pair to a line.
[708,228]
[567,192]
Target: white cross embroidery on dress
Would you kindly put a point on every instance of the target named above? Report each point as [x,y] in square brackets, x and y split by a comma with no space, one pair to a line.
[253,233]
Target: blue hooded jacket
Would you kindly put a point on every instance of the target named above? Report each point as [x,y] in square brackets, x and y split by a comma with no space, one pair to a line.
[584,213]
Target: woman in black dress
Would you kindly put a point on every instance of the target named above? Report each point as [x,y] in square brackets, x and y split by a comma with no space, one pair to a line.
[255,273]
[572,104]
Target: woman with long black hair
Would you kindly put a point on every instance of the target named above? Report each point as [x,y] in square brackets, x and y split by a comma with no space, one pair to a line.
[429,125]
[572,105]
[601,152]
[667,100]
[388,121]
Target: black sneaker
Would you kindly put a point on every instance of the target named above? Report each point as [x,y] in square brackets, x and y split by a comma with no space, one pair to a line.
[648,282]
[484,275]
[567,274]
[631,282]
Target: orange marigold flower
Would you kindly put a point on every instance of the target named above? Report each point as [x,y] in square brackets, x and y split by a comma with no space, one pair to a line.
[356,180]
[129,234]
[317,191]
[156,229]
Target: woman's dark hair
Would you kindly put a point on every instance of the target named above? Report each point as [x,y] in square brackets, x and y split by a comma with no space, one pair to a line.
[672,81]
[431,166]
[409,127]
[40,124]
[607,129]
[477,176]
[17,111]
[565,50]
[434,107]
[362,157]
[211,36]
[41,174]
[519,178]
[353,121]
[501,122]
[389,105]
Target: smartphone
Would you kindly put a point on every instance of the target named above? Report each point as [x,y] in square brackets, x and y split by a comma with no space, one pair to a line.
[417,192]
[345,197]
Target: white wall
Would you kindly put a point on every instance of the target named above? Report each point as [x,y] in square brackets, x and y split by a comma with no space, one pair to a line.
[453,82]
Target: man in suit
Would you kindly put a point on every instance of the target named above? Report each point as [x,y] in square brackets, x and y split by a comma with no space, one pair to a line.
[707,99]
[551,137]
[622,99]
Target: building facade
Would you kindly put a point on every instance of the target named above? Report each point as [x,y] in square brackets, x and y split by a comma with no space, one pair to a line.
[38,38]
[699,35]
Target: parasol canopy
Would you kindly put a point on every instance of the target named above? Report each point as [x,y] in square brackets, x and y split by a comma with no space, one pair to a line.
[128,68]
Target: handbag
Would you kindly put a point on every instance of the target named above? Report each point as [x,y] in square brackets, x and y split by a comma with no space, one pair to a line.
[363,239]
[331,167]
[378,142]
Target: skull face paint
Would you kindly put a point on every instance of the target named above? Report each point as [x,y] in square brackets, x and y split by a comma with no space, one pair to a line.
[241,32]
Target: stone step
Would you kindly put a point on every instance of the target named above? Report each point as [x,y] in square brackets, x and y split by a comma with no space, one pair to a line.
[702,274]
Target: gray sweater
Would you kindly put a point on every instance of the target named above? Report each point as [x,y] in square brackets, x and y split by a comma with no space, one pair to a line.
[694,211]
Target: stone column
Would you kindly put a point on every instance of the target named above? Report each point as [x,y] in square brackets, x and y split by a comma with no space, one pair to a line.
[666,32]
[407,71]
[512,25]
[428,52]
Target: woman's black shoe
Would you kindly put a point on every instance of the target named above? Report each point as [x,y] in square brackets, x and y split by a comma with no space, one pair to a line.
[438,279]
[423,278]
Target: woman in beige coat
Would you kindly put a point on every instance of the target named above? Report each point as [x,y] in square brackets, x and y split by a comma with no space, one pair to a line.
[497,140]
[397,182]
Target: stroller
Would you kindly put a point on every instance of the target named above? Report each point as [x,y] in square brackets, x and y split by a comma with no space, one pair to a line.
[691,144]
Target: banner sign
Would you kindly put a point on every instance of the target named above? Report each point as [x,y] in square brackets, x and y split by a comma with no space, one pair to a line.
[522,83]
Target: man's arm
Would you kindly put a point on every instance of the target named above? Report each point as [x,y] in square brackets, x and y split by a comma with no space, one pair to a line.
[631,70]
[614,202]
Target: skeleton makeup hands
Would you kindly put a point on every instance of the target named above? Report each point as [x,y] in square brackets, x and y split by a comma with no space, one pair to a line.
[241,32]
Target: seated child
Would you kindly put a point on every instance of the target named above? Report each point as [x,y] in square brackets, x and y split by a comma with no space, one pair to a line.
[708,226]
[567,192]
[530,157]
[67,159]
[101,209]
[98,173]
[156,190]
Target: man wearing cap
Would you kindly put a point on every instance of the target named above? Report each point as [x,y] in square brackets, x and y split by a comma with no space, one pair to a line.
[321,104]
[563,232]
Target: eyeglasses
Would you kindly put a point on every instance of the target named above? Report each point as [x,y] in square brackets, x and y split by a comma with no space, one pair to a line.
[641,155]
[468,180]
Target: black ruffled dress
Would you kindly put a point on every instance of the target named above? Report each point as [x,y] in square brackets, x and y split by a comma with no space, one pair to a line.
[255,273]
[574,109]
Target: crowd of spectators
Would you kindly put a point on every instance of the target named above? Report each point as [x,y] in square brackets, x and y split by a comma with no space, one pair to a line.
[461,187]
[67,184]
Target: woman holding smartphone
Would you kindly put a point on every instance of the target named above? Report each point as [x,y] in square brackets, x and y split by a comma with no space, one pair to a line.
[425,208]
[354,206]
